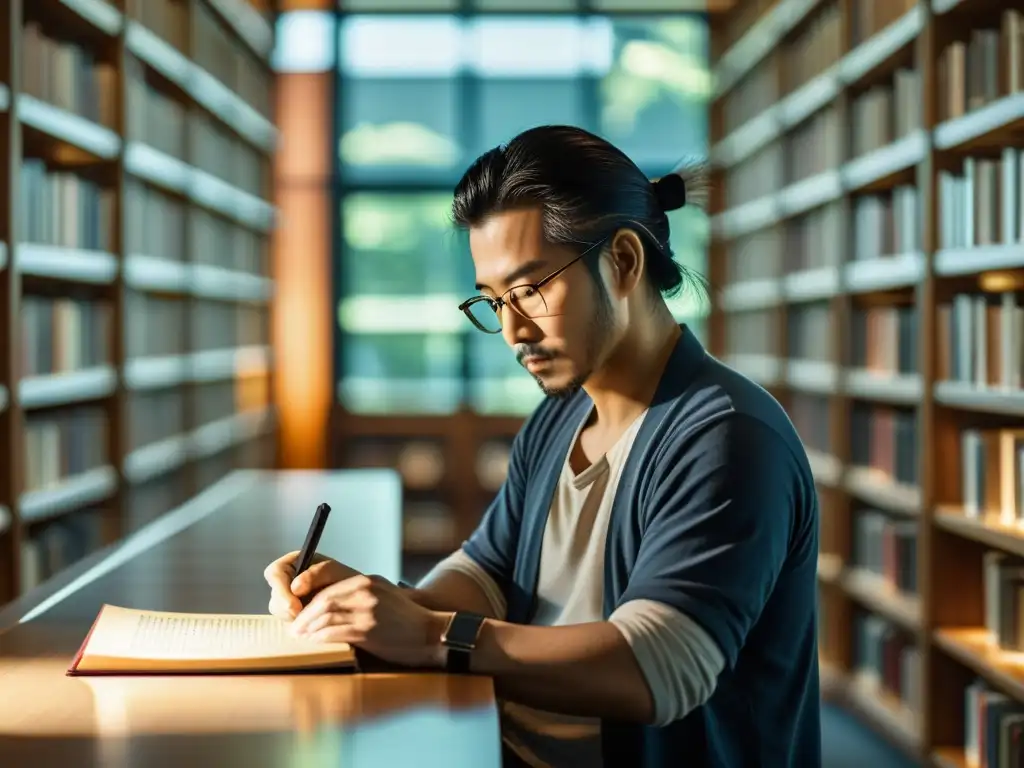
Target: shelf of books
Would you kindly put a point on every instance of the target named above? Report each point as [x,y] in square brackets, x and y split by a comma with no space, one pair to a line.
[136,142]
[868,253]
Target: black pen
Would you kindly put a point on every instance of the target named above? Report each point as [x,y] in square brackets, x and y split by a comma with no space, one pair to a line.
[316,528]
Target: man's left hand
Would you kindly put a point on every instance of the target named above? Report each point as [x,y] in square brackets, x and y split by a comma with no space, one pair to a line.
[371,613]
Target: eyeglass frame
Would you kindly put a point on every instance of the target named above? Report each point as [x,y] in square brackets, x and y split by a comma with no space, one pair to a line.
[500,301]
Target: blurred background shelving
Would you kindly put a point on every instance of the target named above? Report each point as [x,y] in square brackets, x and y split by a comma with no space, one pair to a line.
[136,209]
[867,268]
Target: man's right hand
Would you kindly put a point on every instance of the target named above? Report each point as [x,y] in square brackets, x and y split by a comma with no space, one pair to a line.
[287,592]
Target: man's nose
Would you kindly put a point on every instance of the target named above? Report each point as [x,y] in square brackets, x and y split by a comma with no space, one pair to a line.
[517,329]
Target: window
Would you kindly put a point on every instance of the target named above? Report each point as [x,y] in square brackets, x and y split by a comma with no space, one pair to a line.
[401,244]
[654,98]
[399,100]
[304,42]
[420,96]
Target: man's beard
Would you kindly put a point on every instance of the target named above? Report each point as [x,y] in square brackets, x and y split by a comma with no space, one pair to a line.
[598,332]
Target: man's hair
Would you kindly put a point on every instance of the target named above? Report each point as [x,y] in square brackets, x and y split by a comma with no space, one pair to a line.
[587,189]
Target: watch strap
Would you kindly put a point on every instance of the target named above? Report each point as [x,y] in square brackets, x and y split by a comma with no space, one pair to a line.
[460,637]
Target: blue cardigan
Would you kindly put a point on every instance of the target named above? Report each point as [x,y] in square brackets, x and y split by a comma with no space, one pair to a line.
[716,514]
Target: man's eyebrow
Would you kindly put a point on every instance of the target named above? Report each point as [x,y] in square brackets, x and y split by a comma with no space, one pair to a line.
[517,274]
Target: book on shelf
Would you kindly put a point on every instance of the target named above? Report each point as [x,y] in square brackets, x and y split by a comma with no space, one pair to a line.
[993,728]
[61,208]
[987,65]
[815,48]
[886,223]
[810,332]
[868,17]
[886,112]
[130,641]
[991,473]
[58,544]
[1003,577]
[810,239]
[757,256]
[887,658]
[810,415]
[67,76]
[886,547]
[62,335]
[62,443]
[885,438]
[981,202]
[980,340]
[883,339]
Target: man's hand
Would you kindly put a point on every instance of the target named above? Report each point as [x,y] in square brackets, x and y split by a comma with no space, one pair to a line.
[287,591]
[371,613]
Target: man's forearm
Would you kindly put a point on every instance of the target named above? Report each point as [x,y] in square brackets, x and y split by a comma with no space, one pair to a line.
[452,591]
[587,670]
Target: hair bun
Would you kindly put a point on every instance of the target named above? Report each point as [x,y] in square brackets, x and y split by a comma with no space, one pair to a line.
[671,192]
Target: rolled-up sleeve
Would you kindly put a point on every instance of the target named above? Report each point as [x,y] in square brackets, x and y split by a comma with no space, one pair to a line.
[718,531]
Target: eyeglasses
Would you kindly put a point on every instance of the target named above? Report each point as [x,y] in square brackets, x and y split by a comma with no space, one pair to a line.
[526,299]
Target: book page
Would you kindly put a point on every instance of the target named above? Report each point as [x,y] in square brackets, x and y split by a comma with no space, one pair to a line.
[130,633]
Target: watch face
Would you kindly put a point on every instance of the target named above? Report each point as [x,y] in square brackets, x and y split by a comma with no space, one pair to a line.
[463,630]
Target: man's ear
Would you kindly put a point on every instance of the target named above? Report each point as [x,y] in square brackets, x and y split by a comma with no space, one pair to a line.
[626,256]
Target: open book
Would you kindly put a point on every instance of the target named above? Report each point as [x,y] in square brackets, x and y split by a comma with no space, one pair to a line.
[126,641]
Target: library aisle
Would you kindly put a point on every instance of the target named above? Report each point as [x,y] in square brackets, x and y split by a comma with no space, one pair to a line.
[847,743]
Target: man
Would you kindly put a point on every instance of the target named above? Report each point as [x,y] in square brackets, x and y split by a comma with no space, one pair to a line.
[643,587]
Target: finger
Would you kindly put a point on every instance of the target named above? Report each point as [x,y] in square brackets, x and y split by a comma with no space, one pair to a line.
[338,633]
[280,572]
[317,576]
[283,606]
[325,620]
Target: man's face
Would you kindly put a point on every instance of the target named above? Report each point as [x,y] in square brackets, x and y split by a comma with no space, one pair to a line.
[564,343]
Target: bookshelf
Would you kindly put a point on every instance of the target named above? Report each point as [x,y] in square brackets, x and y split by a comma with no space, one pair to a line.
[867,268]
[136,140]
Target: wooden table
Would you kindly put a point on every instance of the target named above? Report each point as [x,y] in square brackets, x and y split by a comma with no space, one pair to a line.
[209,556]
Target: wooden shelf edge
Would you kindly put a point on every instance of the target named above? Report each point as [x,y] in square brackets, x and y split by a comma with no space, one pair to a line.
[882,711]
[949,757]
[874,593]
[61,389]
[207,91]
[980,122]
[757,42]
[751,294]
[813,284]
[959,262]
[973,648]
[814,376]
[248,23]
[58,262]
[74,492]
[163,170]
[100,14]
[764,369]
[830,567]
[882,45]
[812,192]
[68,127]
[900,155]
[896,388]
[958,394]
[826,468]
[156,459]
[885,273]
[873,487]
[988,530]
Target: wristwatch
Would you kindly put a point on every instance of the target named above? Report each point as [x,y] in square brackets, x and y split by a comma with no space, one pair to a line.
[459,637]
